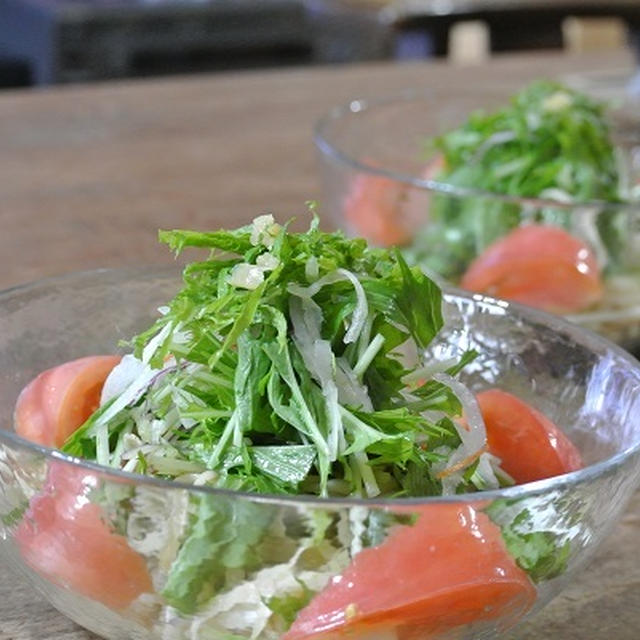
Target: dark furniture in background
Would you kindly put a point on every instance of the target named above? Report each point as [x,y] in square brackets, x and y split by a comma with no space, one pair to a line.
[57,41]
[14,73]
[514,25]
[79,40]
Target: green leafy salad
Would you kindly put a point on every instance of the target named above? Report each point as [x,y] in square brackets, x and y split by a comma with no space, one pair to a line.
[292,364]
[550,142]
[288,363]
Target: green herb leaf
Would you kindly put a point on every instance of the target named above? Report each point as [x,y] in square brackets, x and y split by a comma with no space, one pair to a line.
[420,303]
[290,464]
[232,241]
[542,554]
[222,537]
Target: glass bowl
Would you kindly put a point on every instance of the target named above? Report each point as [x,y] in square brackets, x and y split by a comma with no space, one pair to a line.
[102,545]
[378,181]
[620,87]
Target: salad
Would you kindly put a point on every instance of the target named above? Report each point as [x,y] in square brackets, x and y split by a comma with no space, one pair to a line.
[550,144]
[290,364]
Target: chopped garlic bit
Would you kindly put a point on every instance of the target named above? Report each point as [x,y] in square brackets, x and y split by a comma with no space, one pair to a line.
[251,276]
[557,101]
[264,230]
[351,611]
[246,276]
[267,262]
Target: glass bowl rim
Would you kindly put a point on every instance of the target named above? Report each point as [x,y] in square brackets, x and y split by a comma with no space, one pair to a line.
[359,106]
[516,492]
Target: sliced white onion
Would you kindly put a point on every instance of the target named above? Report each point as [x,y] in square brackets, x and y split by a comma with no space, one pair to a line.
[486,472]
[357,519]
[361,311]
[306,318]
[129,395]
[450,480]
[429,370]
[450,483]
[121,376]
[366,472]
[155,342]
[351,391]
[474,434]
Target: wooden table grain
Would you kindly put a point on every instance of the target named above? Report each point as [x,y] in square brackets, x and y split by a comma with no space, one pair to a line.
[88,174]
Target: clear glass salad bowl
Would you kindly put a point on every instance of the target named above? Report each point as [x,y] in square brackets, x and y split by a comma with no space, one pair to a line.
[101,545]
[380,180]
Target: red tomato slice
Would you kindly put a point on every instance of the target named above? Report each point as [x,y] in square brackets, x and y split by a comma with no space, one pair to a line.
[65,539]
[529,445]
[53,405]
[449,569]
[63,535]
[386,211]
[538,265]
[373,209]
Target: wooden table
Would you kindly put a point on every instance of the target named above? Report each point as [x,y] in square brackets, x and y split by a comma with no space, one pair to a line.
[88,174]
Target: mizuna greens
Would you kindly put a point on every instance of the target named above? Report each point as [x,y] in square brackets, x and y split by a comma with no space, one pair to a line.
[292,363]
[288,363]
[549,142]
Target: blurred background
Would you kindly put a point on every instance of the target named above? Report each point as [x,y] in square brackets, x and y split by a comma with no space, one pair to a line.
[45,42]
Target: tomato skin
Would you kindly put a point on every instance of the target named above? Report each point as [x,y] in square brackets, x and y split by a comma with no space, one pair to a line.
[373,209]
[539,265]
[449,569]
[386,211]
[63,535]
[529,445]
[64,538]
[58,401]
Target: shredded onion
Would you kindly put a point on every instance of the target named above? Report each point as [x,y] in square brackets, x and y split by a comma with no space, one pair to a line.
[121,376]
[460,464]
[485,470]
[472,432]
[319,360]
[156,341]
[351,391]
[360,313]
[429,370]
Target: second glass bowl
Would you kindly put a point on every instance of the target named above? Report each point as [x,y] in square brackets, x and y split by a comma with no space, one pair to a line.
[379,181]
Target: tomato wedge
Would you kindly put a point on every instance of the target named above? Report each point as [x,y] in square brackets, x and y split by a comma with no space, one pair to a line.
[539,265]
[372,208]
[449,569]
[529,445]
[387,211]
[64,538]
[53,405]
[63,535]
